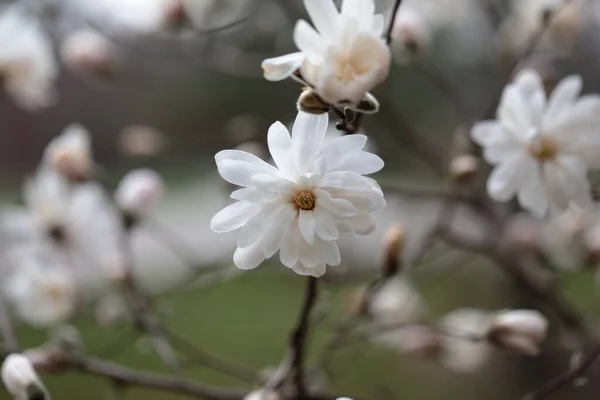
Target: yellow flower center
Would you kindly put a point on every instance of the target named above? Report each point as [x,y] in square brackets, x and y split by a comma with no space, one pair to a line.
[305,200]
[543,149]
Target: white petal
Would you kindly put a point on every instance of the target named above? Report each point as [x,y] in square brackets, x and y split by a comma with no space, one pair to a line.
[504,179]
[338,206]
[532,195]
[345,227]
[325,227]
[237,167]
[279,68]
[323,14]
[233,216]
[567,181]
[378,25]
[345,180]
[317,271]
[330,252]
[274,236]
[488,133]
[290,248]
[362,11]
[514,113]
[563,96]
[307,136]
[307,225]
[310,254]
[363,163]
[248,257]
[309,41]
[280,147]
[363,223]
[529,82]
[271,183]
[252,195]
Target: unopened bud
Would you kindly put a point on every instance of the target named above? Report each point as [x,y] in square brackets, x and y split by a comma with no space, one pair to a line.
[310,102]
[519,330]
[141,141]
[139,191]
[21,380]
[463,168]
[263,394]
[70,153]
[89,52]
[395,238]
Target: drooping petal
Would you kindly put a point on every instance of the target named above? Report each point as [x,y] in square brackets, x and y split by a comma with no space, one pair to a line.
[289,252]
[307,225]
[280,68]
[248,257]
[505,179]
[566,181]
[532,194]
[363,223]
[363,163]
[237,167]
[330,252]
[280,147]
[316,271]
[307,136]
[337,206]
[279,228]
[341,147]
[310,254]
[324,15]
[233,216]
[325,225]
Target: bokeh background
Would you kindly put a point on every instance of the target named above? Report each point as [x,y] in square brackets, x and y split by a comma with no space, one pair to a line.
[201,89]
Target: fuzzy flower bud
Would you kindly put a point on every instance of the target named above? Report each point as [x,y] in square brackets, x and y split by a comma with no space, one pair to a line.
[395,238]
[263,394]
[21,380]
[88,52]
[139,191]
[310,102]
[520,330]
[70,153]
[463,168]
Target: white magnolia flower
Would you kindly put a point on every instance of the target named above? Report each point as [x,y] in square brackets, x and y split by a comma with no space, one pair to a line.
[315,195]
[70,153]
[520,330]
[41,294]
[343,58]
[542,148]
[139,191]
[47,197]
[21,380]
[89,52]
[397,301]
[27,65]
[462,351]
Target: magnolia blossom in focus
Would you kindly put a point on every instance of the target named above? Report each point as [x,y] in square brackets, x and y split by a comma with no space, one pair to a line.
[520,330]
[314,196]
[464,345]
[21,380]
[89,52]
[27,65]
[139,191]
[41,294]
[542,148]
[70,153]
[343,58]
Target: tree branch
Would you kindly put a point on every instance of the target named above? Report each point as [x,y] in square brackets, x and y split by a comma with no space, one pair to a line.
[10,343]
[390,28]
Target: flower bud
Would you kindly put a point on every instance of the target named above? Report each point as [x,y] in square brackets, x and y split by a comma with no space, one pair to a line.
[463,168]
[263,394]
[311,103]
[395,238]
[139,191]
[88,52]
[70,153]
[410,34]
[519,330]
[21,380]
[141,141]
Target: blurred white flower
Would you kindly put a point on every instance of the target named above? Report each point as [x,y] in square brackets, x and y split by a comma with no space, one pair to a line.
[27,65]
[343,58]
[542,148]
[315,195]
[519,330]
[41,294]
[139,191]
[21,380]
[89,52]
[263,394]
[70,153]
[141,141]
[464,342]
[411,35]
[396,302]
[47,197]
[111,309]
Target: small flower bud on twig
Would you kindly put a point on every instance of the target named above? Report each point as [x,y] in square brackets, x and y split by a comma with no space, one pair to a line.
[138,192]
[463,168]
[395,238]
[519,330]
[21,380]
[310,102]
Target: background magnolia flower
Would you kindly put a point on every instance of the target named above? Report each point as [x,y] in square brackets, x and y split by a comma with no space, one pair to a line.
[316,195]
[343,58]
[27,65]
[520,330]
[46,197]
[41,294]
[70,153]
[89,52]
[542,148]
[139,191]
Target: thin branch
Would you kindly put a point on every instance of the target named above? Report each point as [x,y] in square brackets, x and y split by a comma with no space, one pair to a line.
[10,343]
[566,378]
[390,28]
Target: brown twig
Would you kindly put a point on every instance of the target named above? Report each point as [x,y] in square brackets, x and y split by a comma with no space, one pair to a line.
[567,377]
[390,28]
[10,343]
